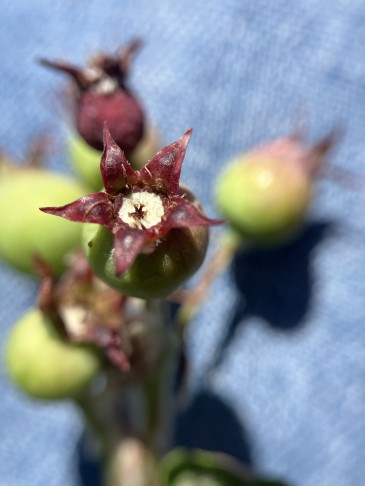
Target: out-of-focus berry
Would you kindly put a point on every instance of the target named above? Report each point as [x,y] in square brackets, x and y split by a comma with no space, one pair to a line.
[265,194]
[45,366]
[26,232]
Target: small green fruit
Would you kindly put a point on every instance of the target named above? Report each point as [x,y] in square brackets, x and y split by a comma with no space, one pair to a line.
[25,230]
[85,160]
[6,166]
[264,198]
[145,149]
[152,275]
[45,366]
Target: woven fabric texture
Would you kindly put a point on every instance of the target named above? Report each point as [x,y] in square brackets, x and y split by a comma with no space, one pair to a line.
[278,349]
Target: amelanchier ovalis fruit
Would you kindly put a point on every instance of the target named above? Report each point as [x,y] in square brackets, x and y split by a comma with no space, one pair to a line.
[147,234]
[25,231]
[265,194]
[43,364]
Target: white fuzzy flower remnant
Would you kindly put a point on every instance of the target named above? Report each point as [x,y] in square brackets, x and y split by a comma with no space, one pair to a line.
[142,210]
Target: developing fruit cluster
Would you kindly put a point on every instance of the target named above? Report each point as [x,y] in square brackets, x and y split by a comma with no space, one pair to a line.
[101,310]
[26,232]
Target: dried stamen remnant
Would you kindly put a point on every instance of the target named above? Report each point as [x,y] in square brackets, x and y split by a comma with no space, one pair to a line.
[138,213]
[142,210]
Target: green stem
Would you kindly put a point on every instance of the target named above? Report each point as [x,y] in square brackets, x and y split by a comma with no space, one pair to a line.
[160,399]
[131,418]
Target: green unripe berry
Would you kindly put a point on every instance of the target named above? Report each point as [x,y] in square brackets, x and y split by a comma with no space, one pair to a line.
[263,198]
[85,160]
[45,366]
[6,166]
[152,275]
[146,148]
[25,230]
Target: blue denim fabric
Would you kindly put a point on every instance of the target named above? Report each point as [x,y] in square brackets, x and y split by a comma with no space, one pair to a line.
[278,350]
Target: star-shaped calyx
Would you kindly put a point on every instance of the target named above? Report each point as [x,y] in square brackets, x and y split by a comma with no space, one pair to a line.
[138,207]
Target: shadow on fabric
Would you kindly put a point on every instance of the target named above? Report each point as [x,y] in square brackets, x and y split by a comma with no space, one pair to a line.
[274,284]
[211,424]
[207,423]
[88,466]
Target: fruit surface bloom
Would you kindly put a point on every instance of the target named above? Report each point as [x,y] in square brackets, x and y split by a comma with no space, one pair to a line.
[25,231]
[263,198]
[45,366]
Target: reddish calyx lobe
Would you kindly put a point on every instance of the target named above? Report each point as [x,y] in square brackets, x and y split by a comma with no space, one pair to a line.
[101,95]
[159,178]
